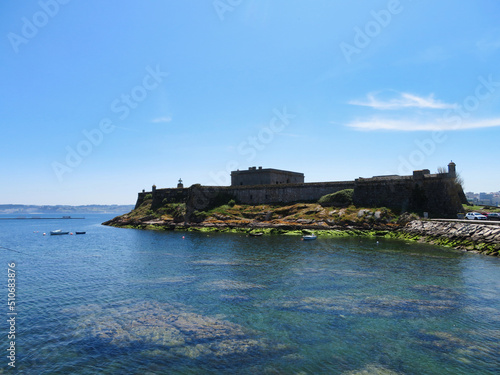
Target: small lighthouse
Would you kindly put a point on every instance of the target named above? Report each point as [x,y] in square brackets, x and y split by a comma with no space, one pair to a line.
[180,185]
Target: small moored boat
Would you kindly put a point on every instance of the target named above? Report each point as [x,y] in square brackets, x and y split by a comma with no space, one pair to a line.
[80,232]
[309,237]
[255,234]
[57,232]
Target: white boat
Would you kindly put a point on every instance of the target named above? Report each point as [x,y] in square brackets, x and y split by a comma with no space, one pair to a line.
[57,232]
[255,234]
[309,237]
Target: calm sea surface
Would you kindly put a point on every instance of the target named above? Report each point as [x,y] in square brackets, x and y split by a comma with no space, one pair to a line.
[123,301]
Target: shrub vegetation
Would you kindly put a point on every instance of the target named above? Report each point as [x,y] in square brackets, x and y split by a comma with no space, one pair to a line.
[342,198]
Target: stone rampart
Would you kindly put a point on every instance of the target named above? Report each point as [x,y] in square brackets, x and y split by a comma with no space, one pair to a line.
[202,197]
[289,193]
[380,192]
[436,194]
[159,195]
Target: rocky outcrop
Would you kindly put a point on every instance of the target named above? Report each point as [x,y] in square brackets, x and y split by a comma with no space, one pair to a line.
[289,218]
[480,237]
[483,237]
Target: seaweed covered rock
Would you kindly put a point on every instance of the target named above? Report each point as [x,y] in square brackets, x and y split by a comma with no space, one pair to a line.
[169,329]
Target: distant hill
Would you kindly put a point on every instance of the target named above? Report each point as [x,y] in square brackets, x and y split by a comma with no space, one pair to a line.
[21,209]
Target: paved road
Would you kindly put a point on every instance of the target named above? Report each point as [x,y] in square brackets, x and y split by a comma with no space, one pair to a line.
[486,222]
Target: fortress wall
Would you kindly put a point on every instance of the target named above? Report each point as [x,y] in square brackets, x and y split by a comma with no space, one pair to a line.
[172,196]
[289,193]
[392,193]
[204,196]
[140,199]
[436,194]
[443,197]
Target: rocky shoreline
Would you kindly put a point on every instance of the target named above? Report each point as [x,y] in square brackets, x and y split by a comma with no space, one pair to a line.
[462,235]
[260,227]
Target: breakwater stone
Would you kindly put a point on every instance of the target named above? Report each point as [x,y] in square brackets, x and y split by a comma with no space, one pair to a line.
[481,237]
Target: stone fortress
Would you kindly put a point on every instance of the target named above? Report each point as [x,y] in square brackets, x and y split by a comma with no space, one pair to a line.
[437,194]
[261,176]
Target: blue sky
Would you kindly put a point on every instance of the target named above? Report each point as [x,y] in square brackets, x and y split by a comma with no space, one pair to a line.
[100,100]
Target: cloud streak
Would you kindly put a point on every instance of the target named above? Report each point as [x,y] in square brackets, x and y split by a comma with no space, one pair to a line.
[416,125]
[402,101]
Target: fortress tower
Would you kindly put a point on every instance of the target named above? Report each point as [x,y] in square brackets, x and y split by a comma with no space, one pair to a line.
[451,169]
[266,176]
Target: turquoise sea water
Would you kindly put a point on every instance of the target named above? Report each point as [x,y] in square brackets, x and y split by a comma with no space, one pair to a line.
[123,301]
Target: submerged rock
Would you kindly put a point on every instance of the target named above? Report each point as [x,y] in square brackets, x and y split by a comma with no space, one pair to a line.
[372,369]
[231,285]
[176,331]
[384,306]
[437,291]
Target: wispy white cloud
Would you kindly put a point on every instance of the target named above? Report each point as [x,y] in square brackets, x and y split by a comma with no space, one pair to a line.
[425,125]
[488,46]
[430,55]
[162,119]
[411,112]
[402,101]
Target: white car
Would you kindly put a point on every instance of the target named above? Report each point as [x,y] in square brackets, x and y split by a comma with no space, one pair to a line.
[475,216]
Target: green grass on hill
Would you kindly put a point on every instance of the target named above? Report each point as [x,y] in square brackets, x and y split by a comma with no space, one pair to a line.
[472,208]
